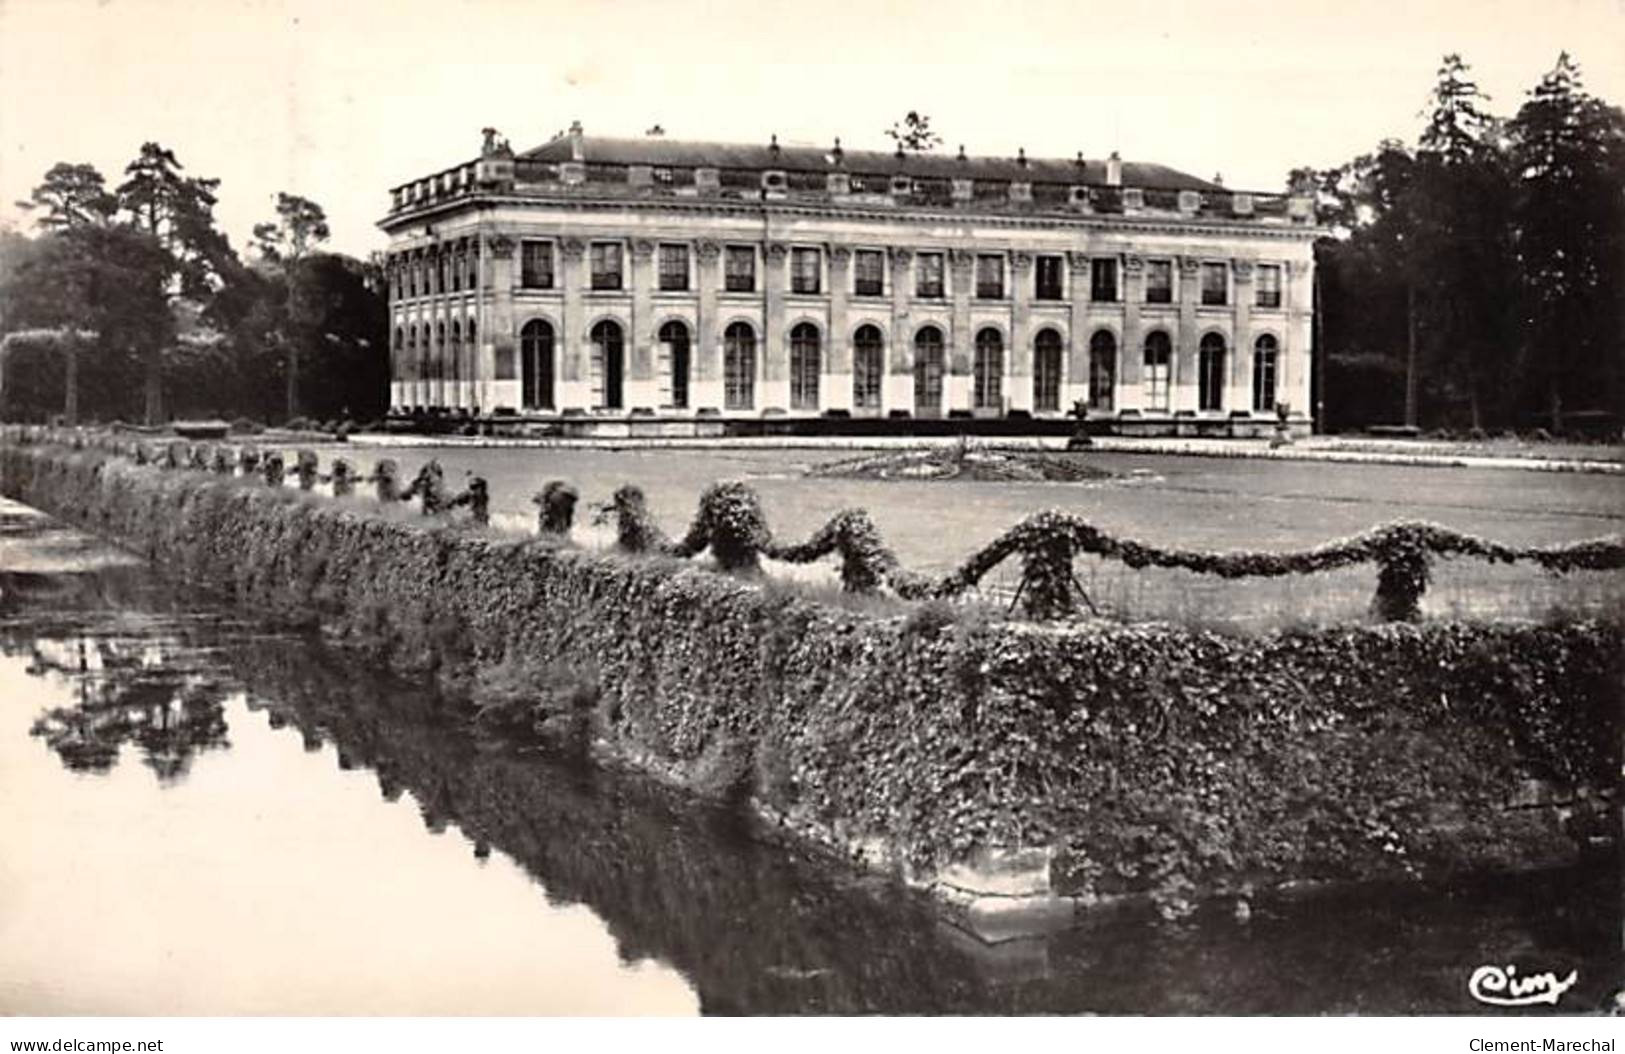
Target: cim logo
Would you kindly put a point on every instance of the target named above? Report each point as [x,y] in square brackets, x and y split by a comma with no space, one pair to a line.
[1500,986]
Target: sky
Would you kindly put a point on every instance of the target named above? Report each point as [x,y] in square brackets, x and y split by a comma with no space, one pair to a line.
[338,100]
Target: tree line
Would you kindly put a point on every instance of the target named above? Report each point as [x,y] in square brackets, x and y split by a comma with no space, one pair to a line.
[128,303]
[1476,281]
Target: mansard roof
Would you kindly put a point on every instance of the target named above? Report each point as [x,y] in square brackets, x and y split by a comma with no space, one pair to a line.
[659,151]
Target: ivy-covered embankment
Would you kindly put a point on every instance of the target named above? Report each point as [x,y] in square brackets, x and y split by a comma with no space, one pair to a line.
[1129,758]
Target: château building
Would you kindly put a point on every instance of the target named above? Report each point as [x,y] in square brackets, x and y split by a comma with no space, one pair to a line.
[652,284]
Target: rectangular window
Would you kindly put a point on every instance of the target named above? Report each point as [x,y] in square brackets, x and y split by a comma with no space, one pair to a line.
[536,265]
[739,269]
[673,268]
[928,276]
[1159,281]
[1047,283]
[606,265]
[1103,280]
[805,267]
[990,278]
[869,272]
[1215,284]
[1269,285]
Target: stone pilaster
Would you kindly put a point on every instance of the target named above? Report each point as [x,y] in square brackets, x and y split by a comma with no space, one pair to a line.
[1018,379]
[1292,377]
[498,326]
[958,386]
[1183,393]
[642,389]
[705,385]
[772,352]
[1131,350]
[1238,393]
[835,386]
[575,383]
[898,390]
[1075,379]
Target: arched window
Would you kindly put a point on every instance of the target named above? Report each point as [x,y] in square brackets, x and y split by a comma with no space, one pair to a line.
[440,351]
[868,368]
[1102,369]
[608,365]
[397,366]
[536,365]
[989,369]
[1266,361]
[1158,370]
[1210,373]
[739,367]
[804,366]
[928,372]
[414,353]
[673,365]
[454,352]
[1047,370]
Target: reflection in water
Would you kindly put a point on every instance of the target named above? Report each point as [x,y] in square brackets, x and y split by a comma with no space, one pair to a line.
[126,693]
[753,926]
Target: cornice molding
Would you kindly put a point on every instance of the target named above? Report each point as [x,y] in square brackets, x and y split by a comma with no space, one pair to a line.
[1096,222]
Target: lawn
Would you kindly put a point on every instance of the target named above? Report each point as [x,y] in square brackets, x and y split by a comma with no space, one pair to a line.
[1178,501]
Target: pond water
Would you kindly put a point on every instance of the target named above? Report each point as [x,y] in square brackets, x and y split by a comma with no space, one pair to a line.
[199,815]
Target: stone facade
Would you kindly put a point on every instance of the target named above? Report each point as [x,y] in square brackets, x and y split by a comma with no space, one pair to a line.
[619,278]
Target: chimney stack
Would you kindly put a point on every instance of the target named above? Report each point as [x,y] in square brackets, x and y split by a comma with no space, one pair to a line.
[577,153]
[1114,170]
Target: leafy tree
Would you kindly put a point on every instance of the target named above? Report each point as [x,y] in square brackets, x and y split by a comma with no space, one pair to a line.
[285,245]
[178,212]
[1460,229]
[107,282]
[1458,127]
[72,196]
[300,226]
[913,133]
[1568,153]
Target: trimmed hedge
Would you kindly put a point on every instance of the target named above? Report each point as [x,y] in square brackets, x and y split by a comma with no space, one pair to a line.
[730,522]
[1154,758]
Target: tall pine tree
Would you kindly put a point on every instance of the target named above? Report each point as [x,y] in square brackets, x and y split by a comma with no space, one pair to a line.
[1568,153]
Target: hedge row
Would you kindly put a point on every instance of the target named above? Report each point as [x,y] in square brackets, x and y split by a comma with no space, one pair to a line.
[731,525]
[1153,758]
